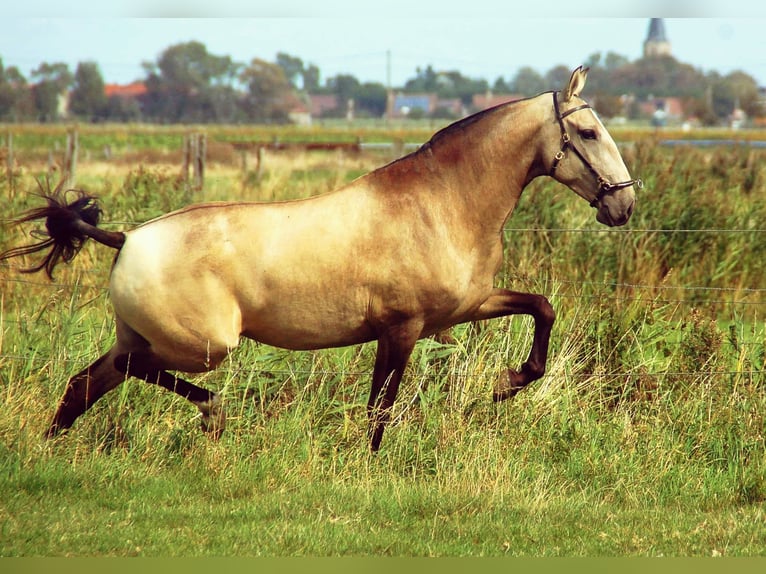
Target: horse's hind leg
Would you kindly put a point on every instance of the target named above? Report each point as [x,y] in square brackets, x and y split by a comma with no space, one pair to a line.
[84,389]
[144,365]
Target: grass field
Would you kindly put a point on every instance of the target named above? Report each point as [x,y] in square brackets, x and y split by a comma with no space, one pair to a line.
[645,437]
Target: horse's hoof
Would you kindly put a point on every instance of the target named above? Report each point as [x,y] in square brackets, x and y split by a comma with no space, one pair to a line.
[445,338]
[213,417]
[510,383]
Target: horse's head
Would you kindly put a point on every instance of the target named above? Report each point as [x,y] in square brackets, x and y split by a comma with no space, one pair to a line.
[587,159]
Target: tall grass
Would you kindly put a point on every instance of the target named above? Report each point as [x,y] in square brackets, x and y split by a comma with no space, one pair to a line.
[646,436]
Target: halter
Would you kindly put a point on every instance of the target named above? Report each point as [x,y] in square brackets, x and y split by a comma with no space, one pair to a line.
[604,186]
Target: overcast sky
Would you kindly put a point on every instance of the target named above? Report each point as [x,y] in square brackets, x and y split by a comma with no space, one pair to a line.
[480,38]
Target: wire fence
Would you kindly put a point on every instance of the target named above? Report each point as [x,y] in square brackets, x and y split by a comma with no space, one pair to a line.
[742,291]
[321,373]
[596,291]
[652,298]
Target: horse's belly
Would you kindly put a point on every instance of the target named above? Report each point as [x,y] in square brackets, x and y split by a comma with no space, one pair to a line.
[299,328]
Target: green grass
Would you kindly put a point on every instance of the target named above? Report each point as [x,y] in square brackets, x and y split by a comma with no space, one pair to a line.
[645,438]
[517,480]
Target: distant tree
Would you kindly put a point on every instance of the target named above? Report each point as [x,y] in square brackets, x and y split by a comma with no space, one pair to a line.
[453,84]
[603,73]
[292,67]
[311,79]
[268,97]
[425,80]
[701,108]
[303,77]
[607,105]
[122,109]
[557,78]
[736,89]
[745,91]
[52,83]
[664,76]
[345,87]
[528,82]
[613,61]
[188,84]
[88,99]
[371,98]
[501,86]
[593,61]
[223,104]
[14,103]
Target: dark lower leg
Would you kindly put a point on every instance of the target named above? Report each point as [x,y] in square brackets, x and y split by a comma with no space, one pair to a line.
[144,367]
[84,389]
[380,414]
[393,352]
[504,302]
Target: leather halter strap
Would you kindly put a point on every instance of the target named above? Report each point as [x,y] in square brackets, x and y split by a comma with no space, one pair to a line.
[604,186]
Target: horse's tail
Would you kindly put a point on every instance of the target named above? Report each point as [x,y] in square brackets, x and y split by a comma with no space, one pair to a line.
[67,226]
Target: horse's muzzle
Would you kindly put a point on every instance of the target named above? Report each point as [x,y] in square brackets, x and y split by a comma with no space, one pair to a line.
[614,213]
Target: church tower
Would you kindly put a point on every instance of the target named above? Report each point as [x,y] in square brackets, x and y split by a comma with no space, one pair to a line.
[656,43]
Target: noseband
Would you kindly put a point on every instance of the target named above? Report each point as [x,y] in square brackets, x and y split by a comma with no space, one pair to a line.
[604,186]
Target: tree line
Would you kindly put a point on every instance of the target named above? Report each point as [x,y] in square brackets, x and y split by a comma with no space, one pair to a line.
[188,84]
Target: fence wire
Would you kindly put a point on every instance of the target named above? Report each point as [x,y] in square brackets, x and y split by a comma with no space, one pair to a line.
[286,373]
[742,291]
[7,278]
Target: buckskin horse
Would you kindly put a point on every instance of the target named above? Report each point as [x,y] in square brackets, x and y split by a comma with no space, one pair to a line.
[406,251]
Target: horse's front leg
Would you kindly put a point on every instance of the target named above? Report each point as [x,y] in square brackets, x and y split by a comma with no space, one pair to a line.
[395,346]
[503,302]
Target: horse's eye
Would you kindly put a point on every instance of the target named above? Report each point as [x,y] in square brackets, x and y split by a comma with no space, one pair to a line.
[588,134]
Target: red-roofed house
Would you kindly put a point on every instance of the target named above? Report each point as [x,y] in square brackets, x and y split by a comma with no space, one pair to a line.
[132,90]
[489,100]
[672,108]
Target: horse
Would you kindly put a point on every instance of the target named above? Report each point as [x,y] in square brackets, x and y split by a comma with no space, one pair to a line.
[402,253]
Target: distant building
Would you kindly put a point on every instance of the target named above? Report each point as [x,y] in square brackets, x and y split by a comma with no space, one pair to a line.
[451,107]
[132,90]
[490,100]
[299,111]
[321,104]
[663,110]
[406,104]
[656,43]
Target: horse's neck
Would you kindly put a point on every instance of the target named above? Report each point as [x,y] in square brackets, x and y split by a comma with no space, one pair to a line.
[489,162]
[473,170]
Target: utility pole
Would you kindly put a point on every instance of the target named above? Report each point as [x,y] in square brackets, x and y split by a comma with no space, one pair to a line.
[389,90]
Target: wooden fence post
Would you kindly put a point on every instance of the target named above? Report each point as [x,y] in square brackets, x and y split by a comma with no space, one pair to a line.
[9,164]
[195,150]
[70,157]
[199,161]
[259,164]
[185,161]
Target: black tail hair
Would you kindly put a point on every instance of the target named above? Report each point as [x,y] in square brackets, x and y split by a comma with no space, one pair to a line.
[67,227]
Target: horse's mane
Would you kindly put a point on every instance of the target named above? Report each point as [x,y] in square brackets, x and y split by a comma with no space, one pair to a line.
[466,122]
[450,132]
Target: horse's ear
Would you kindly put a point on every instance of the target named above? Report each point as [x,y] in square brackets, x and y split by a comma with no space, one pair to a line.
[576,83]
